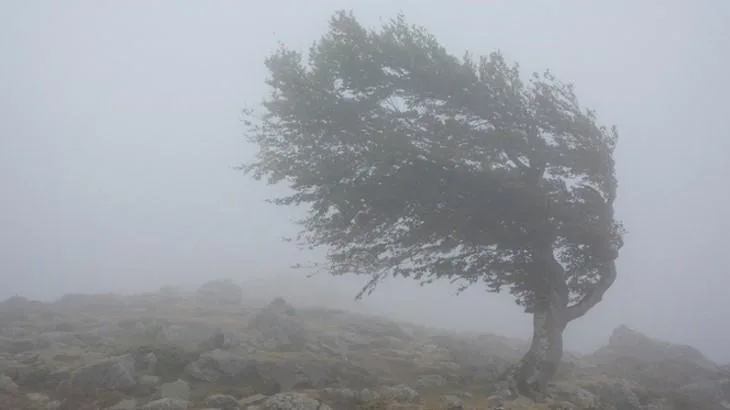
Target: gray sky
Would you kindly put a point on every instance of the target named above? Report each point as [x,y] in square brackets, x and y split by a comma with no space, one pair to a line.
[119,129]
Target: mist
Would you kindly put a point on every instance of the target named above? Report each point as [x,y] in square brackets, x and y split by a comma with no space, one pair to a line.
[120,132]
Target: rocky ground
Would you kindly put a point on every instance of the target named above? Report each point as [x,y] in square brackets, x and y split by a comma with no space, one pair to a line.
[210,350]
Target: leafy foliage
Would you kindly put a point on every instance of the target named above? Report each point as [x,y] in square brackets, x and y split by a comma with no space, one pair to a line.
[419,164]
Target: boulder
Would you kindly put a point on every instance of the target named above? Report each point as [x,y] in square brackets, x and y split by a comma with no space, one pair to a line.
[656,365]
[115,373]
[222,366]
[278,327]
[628,343]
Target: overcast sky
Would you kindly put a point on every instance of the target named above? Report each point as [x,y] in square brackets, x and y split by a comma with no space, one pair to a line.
[119,131]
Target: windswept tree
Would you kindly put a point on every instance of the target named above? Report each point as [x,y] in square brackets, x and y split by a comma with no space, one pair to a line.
[418,164]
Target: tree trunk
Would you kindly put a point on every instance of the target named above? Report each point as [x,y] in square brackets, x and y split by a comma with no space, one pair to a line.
[531,375]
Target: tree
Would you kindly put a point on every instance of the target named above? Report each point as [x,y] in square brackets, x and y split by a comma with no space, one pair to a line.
[418,164]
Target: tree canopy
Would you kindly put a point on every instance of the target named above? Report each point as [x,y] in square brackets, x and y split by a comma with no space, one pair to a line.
[415,163]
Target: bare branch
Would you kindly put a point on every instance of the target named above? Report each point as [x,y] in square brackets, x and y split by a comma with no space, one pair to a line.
[595,295]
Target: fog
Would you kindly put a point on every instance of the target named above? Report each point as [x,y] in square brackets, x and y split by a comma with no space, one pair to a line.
[120,131]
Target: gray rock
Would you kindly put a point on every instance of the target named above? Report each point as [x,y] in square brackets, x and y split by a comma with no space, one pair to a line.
[430,380]
[60,338]
[222,402]
[149,380]
[60,374]
[187,335]
[53,405]
[452,402]
[127,404]
[149,361]
[342,395]
[17,346]
[166,404]
[292,401]
[400,393]
[216,341]
[116,373]
[39,399]
[251,400]
[278,328]
[211,366]
[659,404]
[620,395]
[367,395]
[7,385]
[179,389]
[628,343]
[706,394]
[297,374]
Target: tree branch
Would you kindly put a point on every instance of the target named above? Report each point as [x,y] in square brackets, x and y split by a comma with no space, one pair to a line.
[595,295]
[548,277]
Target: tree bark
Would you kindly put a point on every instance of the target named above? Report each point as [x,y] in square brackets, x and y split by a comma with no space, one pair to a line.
[552,311]
[532,374]
[550,317]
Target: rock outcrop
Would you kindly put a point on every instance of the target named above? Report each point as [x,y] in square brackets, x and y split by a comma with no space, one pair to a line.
[680,373]
[626,343]
[171,350]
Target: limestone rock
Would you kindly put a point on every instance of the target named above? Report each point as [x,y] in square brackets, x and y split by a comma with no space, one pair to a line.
[400,393]
[214,365]
[222,402]
[452,402]
[629,343]
[166,404]
[178,389]
[707,394]
[292,401]
[115,373]
[7,385]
